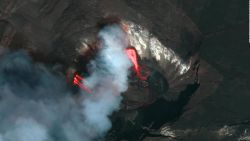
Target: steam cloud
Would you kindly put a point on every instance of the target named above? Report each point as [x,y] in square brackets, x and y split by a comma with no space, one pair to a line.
[36,106]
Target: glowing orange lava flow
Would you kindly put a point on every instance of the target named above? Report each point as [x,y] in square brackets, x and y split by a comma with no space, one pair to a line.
[78,81]
[133,56]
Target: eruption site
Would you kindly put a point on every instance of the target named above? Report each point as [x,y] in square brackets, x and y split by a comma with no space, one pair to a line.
[129,50]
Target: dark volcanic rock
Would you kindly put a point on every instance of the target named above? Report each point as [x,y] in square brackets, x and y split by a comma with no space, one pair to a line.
[209,101]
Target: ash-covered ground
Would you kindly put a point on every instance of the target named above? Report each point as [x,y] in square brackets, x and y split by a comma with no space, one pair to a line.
[197,52]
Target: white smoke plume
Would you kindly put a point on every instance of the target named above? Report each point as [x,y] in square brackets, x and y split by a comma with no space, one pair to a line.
[36,106]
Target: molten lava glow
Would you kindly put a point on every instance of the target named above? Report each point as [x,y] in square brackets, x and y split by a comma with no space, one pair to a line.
[133,56]
[78,81]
